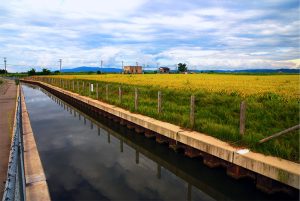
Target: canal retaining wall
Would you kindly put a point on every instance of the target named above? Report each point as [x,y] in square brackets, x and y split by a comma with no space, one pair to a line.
[271,174]
[36,184]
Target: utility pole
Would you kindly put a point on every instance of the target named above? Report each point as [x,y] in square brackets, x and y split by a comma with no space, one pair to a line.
[5,64]
[60,61]
[101,65]
[123,66]
[137,64]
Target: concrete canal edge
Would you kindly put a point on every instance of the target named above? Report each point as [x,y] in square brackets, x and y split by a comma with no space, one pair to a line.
[271,174]
[36,184]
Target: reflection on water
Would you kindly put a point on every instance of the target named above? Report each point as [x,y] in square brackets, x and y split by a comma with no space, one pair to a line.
[85,159]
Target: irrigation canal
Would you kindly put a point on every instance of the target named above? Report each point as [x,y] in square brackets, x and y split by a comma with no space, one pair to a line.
[88,159]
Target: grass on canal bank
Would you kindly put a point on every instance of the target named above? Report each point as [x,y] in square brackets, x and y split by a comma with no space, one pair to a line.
[217,111]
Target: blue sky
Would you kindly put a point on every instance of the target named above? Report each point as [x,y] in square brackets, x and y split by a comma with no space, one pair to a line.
[215,34]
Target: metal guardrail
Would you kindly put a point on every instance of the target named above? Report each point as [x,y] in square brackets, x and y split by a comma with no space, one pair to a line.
[15,182]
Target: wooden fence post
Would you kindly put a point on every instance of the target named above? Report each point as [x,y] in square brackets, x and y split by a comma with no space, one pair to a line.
[159,102]
[78,87]
[97,91]
[297,127]
[120,94]
[136,98]
[192,111]
[83,88]
[242,117]
[73,85]
[89,86]
[106,89]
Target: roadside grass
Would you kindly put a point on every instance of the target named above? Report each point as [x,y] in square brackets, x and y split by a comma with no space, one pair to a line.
[217,113]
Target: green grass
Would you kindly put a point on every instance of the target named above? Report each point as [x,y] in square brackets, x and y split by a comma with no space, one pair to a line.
[217,114]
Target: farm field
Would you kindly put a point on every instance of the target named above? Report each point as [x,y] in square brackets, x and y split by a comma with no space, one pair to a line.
[272,104]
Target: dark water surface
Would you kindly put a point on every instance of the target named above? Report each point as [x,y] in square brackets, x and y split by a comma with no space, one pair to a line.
[85,159]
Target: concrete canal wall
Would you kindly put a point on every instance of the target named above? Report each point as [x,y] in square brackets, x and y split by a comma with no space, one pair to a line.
[36,185]
[271,174]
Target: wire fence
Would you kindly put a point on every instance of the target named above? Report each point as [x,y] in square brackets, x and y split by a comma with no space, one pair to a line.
[15,182]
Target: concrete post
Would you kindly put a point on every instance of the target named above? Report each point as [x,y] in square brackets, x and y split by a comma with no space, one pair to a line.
[242,117]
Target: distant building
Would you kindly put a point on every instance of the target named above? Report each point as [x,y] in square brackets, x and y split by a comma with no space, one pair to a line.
[164,70]
[133,69]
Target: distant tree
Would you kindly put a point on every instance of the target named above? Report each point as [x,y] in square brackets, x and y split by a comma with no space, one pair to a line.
[56,72]
[31,72]
[98,72]
[3,71]
[182,67]
[45,71]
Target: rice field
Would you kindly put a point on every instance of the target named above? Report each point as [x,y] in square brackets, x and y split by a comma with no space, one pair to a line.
[244,85]
[272,104]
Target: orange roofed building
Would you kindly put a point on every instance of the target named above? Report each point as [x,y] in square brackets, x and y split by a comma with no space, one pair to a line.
[133,70]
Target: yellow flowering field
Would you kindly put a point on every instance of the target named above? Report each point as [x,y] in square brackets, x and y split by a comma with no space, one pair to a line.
[286,85]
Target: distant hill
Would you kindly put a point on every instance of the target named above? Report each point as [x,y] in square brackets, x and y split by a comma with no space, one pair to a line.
[283,70]
[91,69]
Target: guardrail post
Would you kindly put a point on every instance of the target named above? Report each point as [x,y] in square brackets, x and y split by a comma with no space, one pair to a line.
[242,117]
[159,102]
[136,98]
[192,111]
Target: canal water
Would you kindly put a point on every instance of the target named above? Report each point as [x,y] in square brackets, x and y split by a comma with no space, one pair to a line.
[87,159]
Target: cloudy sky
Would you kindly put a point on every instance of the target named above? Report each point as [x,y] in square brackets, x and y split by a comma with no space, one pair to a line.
[215,34]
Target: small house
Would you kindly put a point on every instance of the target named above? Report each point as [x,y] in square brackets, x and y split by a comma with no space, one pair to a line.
[164,70]
[133,70]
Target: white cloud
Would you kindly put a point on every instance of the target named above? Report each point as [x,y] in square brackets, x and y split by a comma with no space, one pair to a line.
[38,33]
